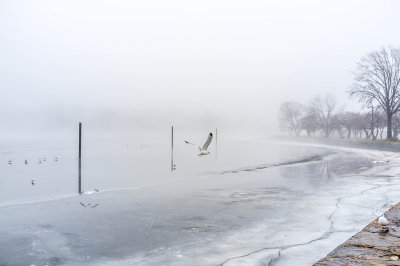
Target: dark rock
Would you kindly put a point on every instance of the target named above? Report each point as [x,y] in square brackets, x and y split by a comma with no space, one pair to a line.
[374,245]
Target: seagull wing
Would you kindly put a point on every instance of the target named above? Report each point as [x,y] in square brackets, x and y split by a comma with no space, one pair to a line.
[187,142]
[208,141]
[94,206]
[82,204]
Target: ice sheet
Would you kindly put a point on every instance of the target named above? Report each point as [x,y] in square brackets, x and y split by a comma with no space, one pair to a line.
[292,214]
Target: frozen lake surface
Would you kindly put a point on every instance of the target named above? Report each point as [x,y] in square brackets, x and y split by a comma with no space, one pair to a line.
[258,203]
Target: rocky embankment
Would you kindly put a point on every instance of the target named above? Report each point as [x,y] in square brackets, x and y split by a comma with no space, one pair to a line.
[371,246]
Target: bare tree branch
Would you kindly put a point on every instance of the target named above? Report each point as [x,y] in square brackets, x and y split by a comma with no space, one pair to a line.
[378,78]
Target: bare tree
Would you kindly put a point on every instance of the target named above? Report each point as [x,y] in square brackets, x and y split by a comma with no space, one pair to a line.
[380,118]
[309,125]
[378,79]
[290,115]
[322,109]
[357,125]
[371,122]
[337,124]
[367,125]
[396,125]
[347,120]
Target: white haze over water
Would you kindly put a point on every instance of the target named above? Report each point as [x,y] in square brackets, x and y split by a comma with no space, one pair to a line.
[147,65]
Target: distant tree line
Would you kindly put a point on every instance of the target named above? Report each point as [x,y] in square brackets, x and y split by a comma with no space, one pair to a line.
[376,85]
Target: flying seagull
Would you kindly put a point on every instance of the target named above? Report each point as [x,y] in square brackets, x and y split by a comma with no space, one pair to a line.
[33,182]
[203,150]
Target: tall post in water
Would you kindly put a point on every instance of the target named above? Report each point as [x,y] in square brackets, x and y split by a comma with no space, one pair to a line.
[80,159]
[216,143]
[172,148]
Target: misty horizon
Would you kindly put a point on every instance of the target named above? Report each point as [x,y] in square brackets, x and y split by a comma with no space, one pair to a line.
[155,64]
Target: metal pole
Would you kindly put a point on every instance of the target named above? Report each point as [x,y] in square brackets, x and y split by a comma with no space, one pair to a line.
[172,148]
[80,159]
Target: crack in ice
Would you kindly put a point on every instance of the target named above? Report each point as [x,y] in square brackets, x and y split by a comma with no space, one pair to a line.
[329,232]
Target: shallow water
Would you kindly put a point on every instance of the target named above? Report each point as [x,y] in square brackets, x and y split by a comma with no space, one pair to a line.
[230,210]
[127,163]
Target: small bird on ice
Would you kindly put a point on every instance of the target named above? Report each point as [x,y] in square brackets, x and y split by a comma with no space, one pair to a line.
[382,220]
[203,150]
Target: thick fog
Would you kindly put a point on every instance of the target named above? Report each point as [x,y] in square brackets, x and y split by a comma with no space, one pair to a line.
[147,65]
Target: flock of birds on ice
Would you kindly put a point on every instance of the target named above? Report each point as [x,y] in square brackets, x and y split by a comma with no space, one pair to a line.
[56,159]
[40,160]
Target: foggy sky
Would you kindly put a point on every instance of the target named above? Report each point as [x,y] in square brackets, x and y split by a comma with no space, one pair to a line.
[202,64]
